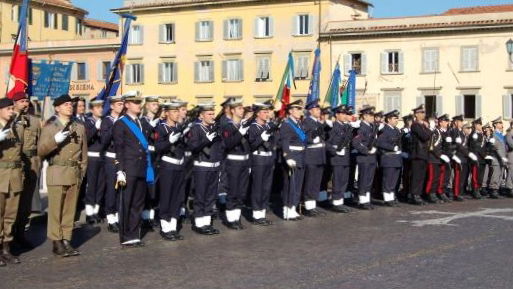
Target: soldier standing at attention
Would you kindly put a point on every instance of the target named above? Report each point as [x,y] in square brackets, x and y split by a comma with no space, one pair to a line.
[498,157]
[421,134]
[63,143]
[461,158]
[477,144]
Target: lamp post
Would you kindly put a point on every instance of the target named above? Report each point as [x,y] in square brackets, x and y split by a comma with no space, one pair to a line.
[509,49]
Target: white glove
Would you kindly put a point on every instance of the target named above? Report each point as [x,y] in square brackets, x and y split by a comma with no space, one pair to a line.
[174,137]
[489,158]
[265,136]
[154,122]
[456,159]
[121,178]
[381,126]
[492,140]
[445,158]
[243,130]
[291,163]
[211,136]
[472,156]
[188,128]
[98,123]
[329,122]
[504,160]
[458,140]
[396,149]
[372,151]
[355,124]
[4,134]
[405,155]
[448,139]
[151,148]
[317,139]
[61,136]
[432,125]
[474,135]
[406,130]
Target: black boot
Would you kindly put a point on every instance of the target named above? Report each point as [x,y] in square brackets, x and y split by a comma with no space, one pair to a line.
[476,195]
[59,250]
[7,256]
[71,251]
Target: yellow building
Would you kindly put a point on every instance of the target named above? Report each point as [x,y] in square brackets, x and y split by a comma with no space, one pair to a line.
[200,50]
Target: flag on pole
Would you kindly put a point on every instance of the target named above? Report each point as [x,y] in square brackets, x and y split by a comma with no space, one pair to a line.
[351,89]
[19,69]
[333,95]
[113,81]
[283,95]
[313,91]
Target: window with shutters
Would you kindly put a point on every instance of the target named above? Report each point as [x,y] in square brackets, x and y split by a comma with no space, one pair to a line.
[301,66]
[263,27]
[30,16]
[134,73]
[79,28]
[168,72]
[430,105]
[263,72]
[167,33]
[392,62]
[204,71]
[104,70]
[303,24]
[15,13]
[469,106]
[204,30]
[507,106]
[136,35]
[233,29]
[392,100]
[103,34]
[81,71]
[469,59]
[65,22]
[55,21]
[50,20]
[233,70]
[356,63]
[430,60]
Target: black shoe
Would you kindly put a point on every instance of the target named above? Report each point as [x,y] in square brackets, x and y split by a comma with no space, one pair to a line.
[311,213]
[147,224]
[476,195]
[340,209]
[494,194]
[7,256]
[508,194]
[212,230]
[59,250]
[432,199]
[416,200]
[113,228]
[262,222]
[233,225]
[91,220]
[71,251]
[459,199]
[366,206]
[391,204]
[483,192]
[171,236]
[133,245]
[444,198]
[205,230]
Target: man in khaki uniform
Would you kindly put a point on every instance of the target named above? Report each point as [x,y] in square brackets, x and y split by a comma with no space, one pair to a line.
[63,143]
[11,182]
[31,165]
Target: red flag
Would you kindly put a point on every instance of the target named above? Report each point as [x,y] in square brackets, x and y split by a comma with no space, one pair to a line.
[19,70]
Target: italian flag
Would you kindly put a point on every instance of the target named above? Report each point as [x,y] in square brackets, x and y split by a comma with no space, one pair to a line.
[283,96]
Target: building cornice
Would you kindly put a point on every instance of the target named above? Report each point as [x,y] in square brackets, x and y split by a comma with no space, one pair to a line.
[60,49]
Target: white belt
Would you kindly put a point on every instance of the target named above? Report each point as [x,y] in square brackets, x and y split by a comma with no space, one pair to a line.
[237,157]
[110,155]
[187,154]
[296,148]
[172,160]
[263,154]
[207,164]
[93,154]
[316,146]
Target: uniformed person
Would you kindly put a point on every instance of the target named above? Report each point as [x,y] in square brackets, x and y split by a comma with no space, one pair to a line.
[498,157]
[63,144]
[460,158]
[390,158]
[437,159]
[407,145]
[477,146]
[365,144]
[509,152]
[11,183]
[421,134]
[488,135]
[95,165]
[79,104]
[111,195]
[293,141]
[207,149]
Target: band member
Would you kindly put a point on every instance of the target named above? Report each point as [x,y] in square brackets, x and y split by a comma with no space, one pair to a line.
[498,157]
[111,194]
[63,143]
[95,168]
[390,158]
[339,149]
[11,184]
[460,158]
[207,149]
[170,147]
[237,163]
[421,134]
[293,142]
[315,157]
[477,146]
[261,141]
[134,169]
[365,143]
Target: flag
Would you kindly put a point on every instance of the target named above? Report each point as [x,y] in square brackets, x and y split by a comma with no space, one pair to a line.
[351,89]
[283,95]
[19,69]
[313,91]
[113,81]
[333,95]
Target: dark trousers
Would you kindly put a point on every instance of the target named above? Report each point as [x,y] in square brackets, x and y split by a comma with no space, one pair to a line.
[340,181]
[111,194]
[313,179]
[261,185]
[132,203]
[205,192]
[238,183]
[434,178]
[418,176]
[477,170]
[389,179]
[460,178]
[445,178]
[406,177]
[366,171]
[292,186]
[95,181]
[31,175]
[171,192]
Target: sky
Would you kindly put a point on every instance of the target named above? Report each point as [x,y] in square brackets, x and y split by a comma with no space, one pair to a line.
[99,9]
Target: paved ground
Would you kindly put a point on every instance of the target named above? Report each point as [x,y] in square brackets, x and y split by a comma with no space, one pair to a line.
[458,245]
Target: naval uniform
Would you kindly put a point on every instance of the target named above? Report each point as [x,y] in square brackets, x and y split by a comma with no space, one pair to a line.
[95,170]
[151,201]
[111,194]
[364,142]
[339,151]
[315,160]
[390,160]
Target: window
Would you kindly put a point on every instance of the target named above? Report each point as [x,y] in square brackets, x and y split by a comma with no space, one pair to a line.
[392,100]
[469,59]
[355,61]
[430,60]
[204,30]
[233,29]
[136,35]
[103,70]
[55,21]
[65,24]
[263,27]
[48,19]
[15,13]
[507,106]
[204,71]
[135,73]
[167,33]
[301,66]
[392,62]
[79,27]
[81,71]
[430,105]
[168,72]
[233,70]
[303,25]
[263,68]
[469,106]
[103,34]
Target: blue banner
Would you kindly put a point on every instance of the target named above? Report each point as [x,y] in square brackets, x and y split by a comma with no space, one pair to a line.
[49,79]
[313,91]
[351,89]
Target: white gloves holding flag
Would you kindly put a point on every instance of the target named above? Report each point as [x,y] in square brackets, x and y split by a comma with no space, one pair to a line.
[472,156]
[445,158]
[4,134]
[61,136]
[174,137]
[265,136]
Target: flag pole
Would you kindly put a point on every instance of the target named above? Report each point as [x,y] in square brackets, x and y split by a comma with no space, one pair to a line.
[331,81]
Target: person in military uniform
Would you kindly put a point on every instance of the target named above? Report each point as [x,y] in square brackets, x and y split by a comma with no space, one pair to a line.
[477,144]
[95,165]
[438,158]
[339,150]
[390,158]
[293,142]
[63,143]
[498,158]
[111,196]
[509,152]
[488,148]
[171,148]
[79,107]
[406,144]
[207,150]
[460,158]
[421,134]
[365,144]
[11,183]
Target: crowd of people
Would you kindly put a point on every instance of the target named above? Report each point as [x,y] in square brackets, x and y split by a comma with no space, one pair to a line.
[145,164]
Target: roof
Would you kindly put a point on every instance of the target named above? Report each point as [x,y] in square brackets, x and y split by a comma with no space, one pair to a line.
[101,24]
[61,3]
[479,9]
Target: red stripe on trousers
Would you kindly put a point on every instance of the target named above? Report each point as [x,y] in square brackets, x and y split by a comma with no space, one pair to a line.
[442,180]
[475,183]
[456,183]
[429,183]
